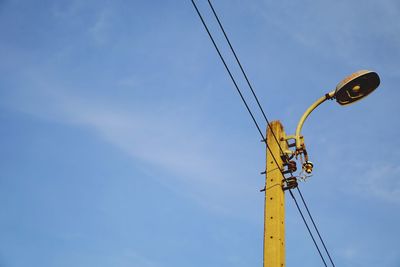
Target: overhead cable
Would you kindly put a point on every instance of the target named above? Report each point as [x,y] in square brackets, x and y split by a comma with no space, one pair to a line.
[315,226]
[308,228]
[234,81]
[244,73]
[252,116]
[266,119]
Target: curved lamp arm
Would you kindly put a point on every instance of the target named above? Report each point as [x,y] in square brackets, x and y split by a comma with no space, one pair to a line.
[329,95]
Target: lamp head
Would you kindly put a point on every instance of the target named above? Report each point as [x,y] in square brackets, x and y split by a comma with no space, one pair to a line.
[356,86]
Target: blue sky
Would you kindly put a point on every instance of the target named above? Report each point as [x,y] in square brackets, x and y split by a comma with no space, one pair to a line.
[124,142]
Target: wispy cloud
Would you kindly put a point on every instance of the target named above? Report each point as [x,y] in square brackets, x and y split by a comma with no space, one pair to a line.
[355,36]
[160,139]
[381,181]
[101,26]
[157,140]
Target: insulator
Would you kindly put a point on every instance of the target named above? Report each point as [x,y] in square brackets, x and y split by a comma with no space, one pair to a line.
[291,166]
[308,167]
[290,183]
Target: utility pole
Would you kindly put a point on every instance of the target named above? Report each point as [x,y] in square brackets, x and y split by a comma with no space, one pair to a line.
[274,213]
[353,88]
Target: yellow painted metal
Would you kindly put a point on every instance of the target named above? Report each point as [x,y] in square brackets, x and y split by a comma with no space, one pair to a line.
[306,113]
[274,214]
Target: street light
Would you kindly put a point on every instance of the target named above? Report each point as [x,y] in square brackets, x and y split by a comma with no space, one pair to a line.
[353,88]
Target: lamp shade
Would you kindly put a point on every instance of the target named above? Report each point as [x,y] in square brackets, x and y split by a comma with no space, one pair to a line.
[356,86]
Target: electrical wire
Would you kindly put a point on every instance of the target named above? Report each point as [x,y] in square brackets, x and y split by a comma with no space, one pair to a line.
[244,73]
[227,69]
[308,228]
[234,82]
[269,124]
[253,118]
[315,227]
[237,87]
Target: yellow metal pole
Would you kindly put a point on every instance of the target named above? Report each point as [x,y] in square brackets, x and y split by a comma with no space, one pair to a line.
[274,213]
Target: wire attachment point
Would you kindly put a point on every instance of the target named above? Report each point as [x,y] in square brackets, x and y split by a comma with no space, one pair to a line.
[291,166]
[290,183]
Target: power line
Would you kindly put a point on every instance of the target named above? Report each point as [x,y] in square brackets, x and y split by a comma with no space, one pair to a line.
[315,227]
[237,87]
[248,109]
[234,81]
[227,69]
[266,119]
[308,228]
[244,73]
